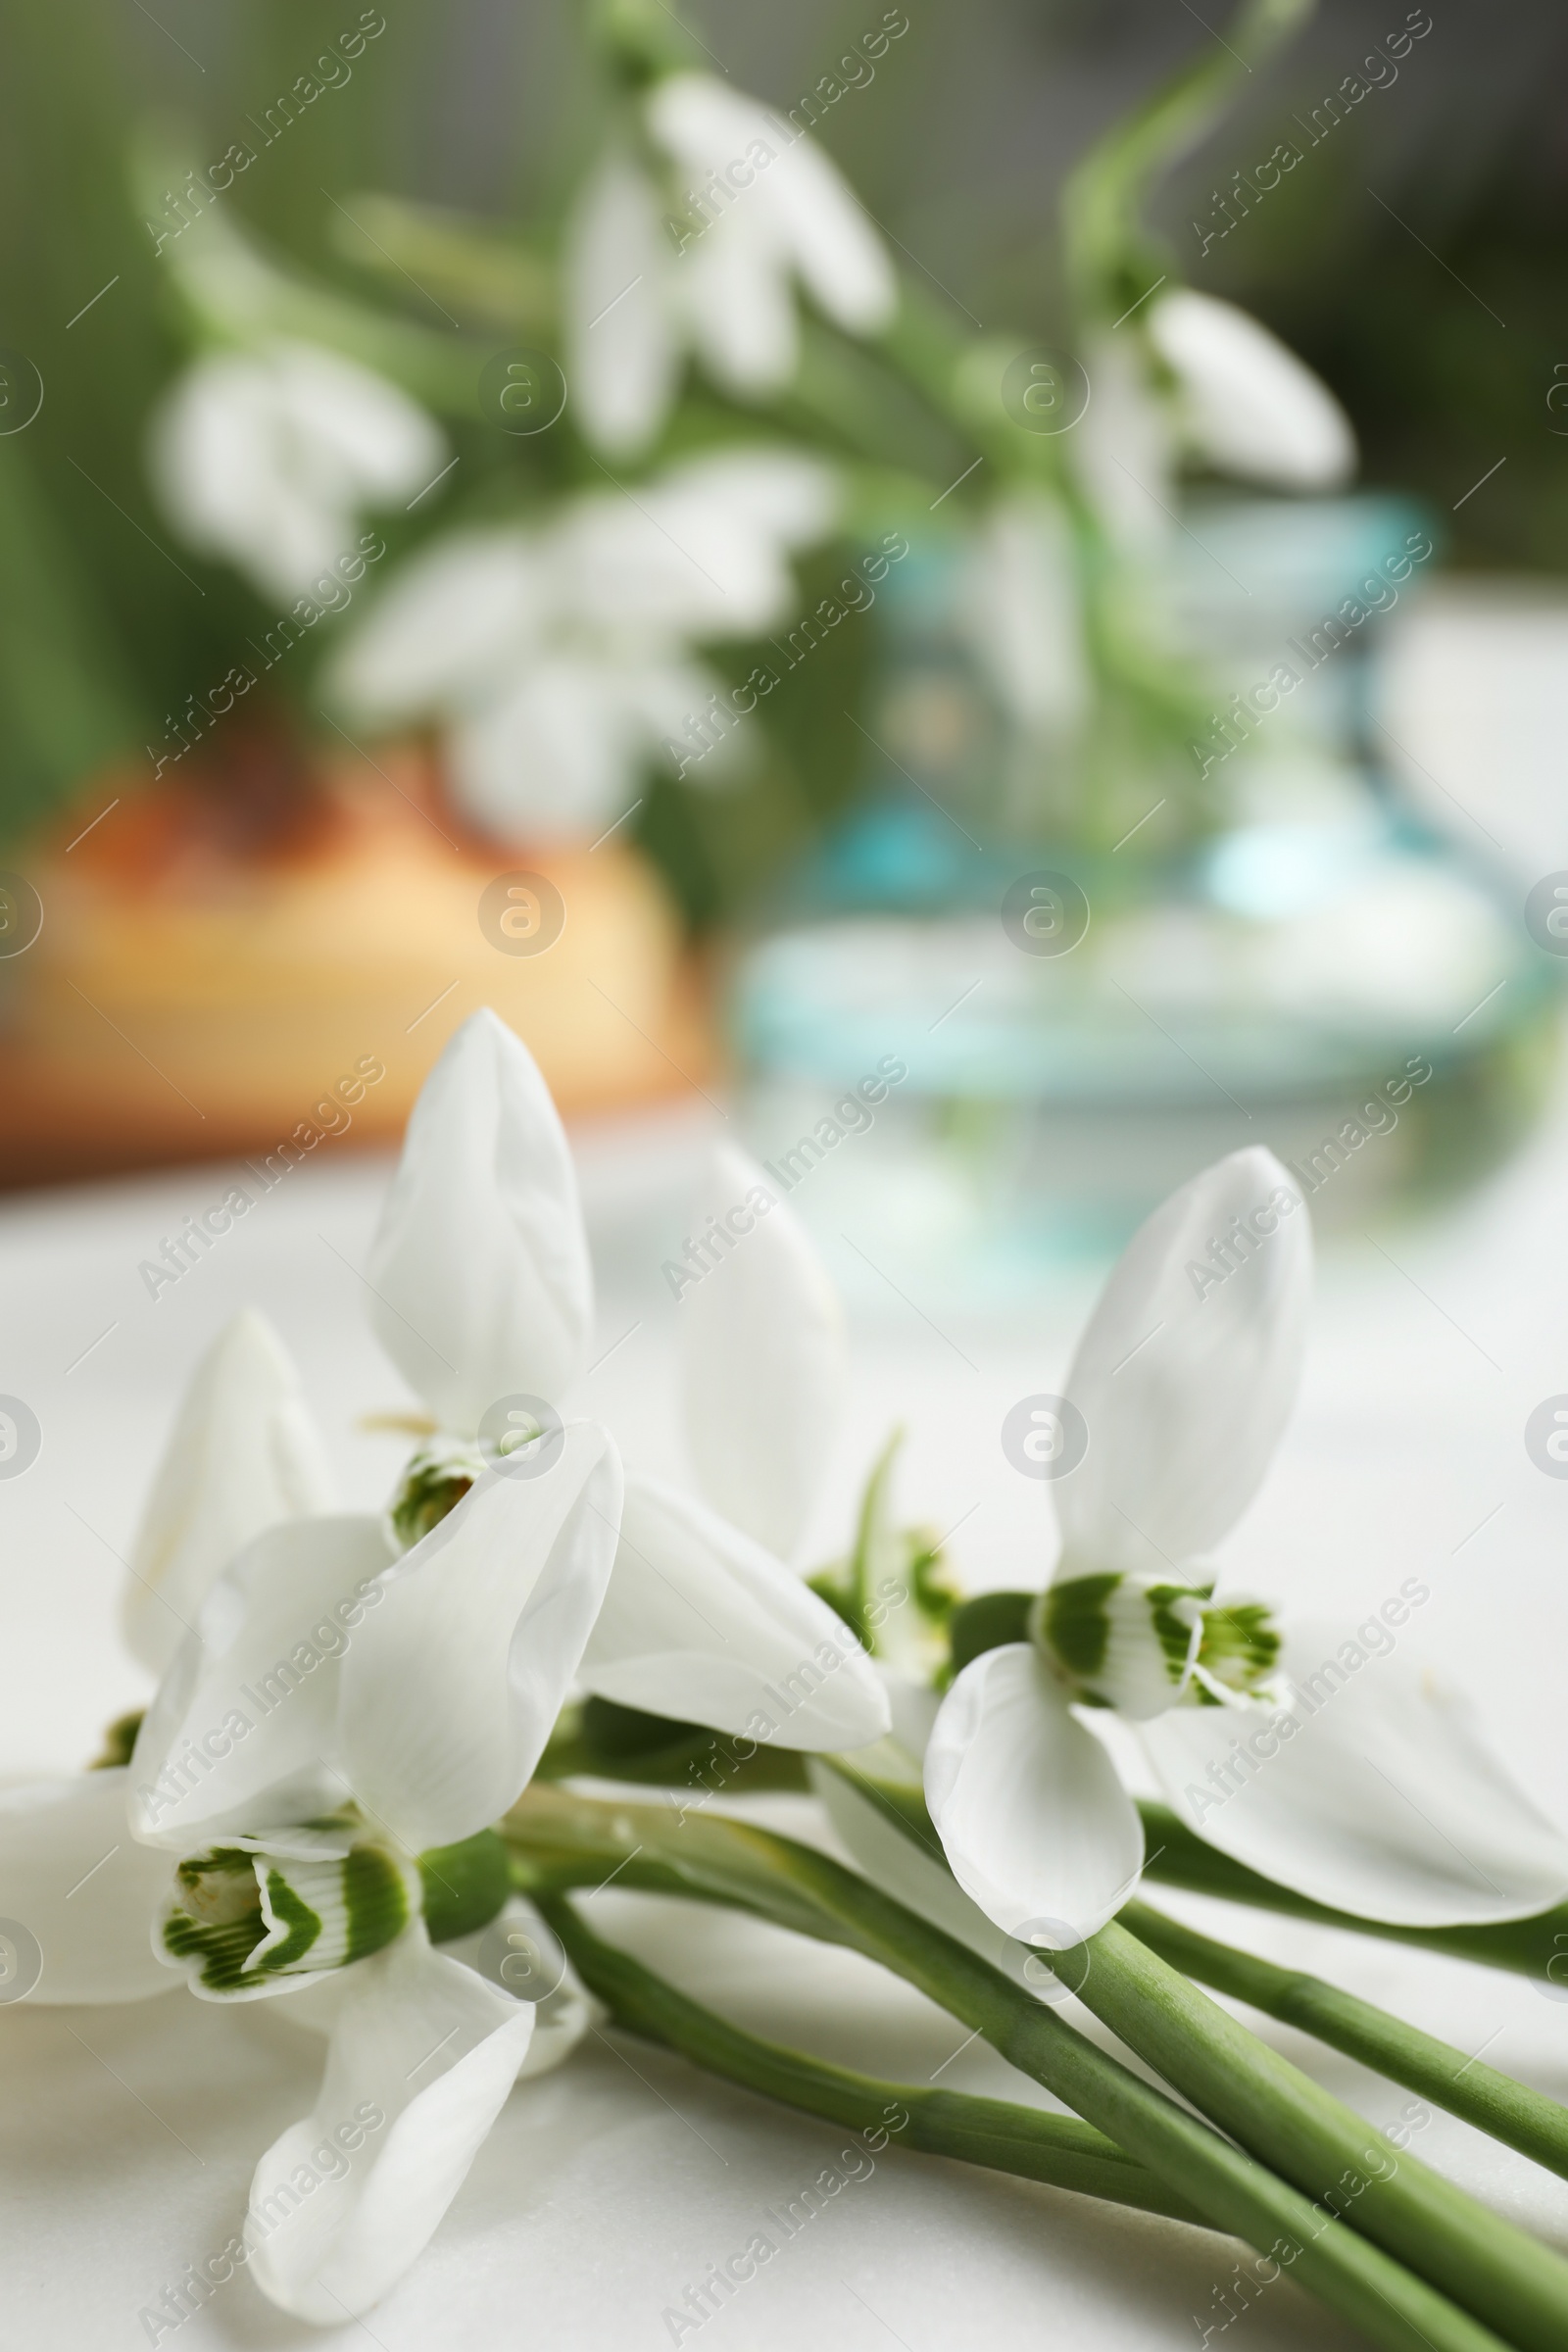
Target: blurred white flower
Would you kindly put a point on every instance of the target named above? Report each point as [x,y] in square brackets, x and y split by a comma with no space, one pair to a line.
[1241,403]
[761,205]
[560,656]
[266,458]
[1247,406]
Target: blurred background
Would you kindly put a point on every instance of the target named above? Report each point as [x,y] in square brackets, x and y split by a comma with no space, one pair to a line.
[1009,556]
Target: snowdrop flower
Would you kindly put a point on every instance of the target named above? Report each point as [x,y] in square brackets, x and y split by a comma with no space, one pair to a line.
[1246,405]
[559,657]
[1383,1801]
[266,458]
[483,1286]
[1234,398]
[756,202]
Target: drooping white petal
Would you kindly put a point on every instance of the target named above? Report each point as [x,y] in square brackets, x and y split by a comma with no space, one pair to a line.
[1250,407]
[264,457]
[1187,1373]
[82,1890]
[240,1728]
[763,1355]
[621,355]
[1374,1791]
[551,759]
[243,1454]
[450,624]
[479,1268]
[1031,1814]
[738,308]
[453,1685]
[702,1624]
[781,492]
[795,203]
[422,2055]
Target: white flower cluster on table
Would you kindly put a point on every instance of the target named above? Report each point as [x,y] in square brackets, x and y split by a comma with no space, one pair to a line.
[346,1703]
[330,1708]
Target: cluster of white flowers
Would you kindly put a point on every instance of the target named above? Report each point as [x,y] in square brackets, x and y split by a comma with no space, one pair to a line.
[338,1720]
[562,655]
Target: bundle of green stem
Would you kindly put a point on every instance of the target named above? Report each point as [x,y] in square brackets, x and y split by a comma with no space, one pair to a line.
[1248,2145]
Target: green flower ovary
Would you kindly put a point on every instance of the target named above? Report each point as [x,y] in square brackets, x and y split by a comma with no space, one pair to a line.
[242,1918]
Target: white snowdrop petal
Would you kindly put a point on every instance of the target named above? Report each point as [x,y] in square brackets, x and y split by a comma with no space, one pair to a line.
[763,1354]
[621,355]
[480,1273]
[702,1624]
[1188,1370]
[243,1454]
[1250,405]
[455,1684]
[452,624]
[1034,1820]
[240,1728]
[421,2057]
[1374,1791]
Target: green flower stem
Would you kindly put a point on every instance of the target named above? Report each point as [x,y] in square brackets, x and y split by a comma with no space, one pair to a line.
[560,1841]
[1178,1857]
[1026,2141]
[1493,2102]
[1286,2120]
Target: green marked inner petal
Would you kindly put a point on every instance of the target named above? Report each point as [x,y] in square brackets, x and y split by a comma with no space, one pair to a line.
[1075,1623]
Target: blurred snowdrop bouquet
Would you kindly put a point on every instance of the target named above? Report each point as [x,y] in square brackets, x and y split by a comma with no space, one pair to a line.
[704,261]
[562,658]
[269,457]
[355,1788]
[558,602]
